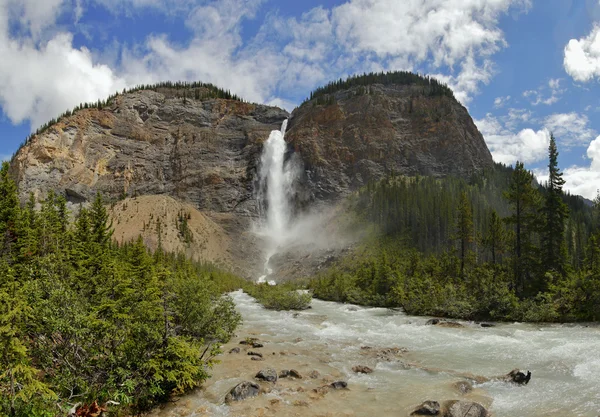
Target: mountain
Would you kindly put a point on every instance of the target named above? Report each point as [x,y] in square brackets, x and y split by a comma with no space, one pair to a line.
[197,145]
[146,142]
[363,133]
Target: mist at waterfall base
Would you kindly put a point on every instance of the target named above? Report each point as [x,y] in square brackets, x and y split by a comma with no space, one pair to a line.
[280,227]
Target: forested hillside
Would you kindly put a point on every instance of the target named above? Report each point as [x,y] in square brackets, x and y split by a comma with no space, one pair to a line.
[498,246]
[84,320]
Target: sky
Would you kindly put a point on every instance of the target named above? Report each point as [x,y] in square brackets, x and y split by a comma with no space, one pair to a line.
[523,68]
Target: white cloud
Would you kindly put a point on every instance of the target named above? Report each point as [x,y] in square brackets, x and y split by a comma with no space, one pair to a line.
[582,57]
[580,180]
[454,39]
[441,32]
[543,96]
[40,83]
[508,147]
[570,128]
[585,181]
[500,102]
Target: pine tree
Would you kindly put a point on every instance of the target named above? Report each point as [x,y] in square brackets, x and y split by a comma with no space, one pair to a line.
[464,229]
[525,201]
[101,226]
[554,251]
[495,237]
[9,209]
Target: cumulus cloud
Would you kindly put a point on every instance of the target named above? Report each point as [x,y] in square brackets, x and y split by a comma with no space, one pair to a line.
[508,143]
[582,56]
[508,146]
[449,33]
[570,129]
[584,181]
[453,39]
[39,82]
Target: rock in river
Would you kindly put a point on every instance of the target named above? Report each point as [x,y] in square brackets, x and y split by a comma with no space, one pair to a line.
[428,408]
[242,391]
[268,374]
[361,369]
[464,409]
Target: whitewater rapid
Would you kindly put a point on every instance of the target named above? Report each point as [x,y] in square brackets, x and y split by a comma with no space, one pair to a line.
[563,359]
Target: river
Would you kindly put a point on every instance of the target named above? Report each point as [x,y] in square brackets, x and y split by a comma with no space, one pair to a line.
[564,361]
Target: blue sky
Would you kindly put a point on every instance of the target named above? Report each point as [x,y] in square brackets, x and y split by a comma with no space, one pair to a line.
[523,68]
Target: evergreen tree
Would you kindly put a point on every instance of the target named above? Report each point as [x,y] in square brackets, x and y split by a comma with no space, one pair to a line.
[554,251]
[525,202]
[495,237]
[464,229]
[9,209]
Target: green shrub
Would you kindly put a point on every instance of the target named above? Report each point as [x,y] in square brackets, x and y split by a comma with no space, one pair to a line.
[279,297]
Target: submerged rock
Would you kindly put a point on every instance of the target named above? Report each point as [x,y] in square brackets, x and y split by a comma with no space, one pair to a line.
[464,409]
[314,374]
[443,323]
[383,354]
[428,408]
[361,369]
[242,391]
[235,350]
[268,374]
[251,353]
[257,358]
[463,387]
[487,325]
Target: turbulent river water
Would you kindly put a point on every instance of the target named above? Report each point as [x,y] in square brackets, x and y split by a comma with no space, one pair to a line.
[564,361]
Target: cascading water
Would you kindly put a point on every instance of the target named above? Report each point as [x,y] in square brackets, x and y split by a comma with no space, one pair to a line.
[275,189]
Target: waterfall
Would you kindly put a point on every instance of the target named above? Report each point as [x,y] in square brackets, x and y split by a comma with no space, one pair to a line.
[276,178]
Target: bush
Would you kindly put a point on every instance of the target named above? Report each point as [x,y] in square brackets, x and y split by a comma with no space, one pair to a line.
[279,297]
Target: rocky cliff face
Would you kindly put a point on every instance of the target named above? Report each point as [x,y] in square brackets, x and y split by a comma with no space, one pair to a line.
[153,142]
[366,133]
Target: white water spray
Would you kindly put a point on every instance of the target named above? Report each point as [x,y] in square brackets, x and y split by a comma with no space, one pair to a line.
[275,189]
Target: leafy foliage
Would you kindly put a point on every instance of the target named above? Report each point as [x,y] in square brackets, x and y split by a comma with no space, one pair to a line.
[83,320]
[279,297]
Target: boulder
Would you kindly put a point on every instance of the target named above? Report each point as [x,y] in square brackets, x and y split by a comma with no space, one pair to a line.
[249,341]
[518,377]
[257,345]
[464,409]
[361,369]
[450,324]
[487,325]
[235,350]
[268,374]
[251,353]
[428,408]
[242,391]
[443,323]
[292,373]
[339,385]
